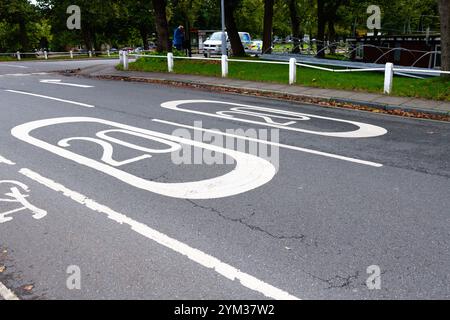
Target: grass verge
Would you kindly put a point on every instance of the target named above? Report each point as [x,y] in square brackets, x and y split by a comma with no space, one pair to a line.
[435,88]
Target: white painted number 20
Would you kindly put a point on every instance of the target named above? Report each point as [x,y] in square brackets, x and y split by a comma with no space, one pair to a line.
[250,172]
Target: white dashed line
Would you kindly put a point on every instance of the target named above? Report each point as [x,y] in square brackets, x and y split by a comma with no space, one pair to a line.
[13,66]
[7,294]
[52,98]
[60,83]
[193,254]
[24,74]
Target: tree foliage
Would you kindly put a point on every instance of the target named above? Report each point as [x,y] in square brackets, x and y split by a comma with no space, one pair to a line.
[27,26]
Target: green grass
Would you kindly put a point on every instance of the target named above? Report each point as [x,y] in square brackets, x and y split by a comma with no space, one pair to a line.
[7,58]
[336,56]
[433,88]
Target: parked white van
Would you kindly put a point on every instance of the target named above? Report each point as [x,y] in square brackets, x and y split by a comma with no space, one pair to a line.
[213,45]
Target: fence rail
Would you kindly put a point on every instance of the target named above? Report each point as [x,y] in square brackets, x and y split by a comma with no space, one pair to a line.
[389,69]
[46,55]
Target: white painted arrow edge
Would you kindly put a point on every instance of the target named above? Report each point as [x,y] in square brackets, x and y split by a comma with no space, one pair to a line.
[59,82]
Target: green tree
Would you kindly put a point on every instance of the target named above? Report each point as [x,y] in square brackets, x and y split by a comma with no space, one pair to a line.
[19,15]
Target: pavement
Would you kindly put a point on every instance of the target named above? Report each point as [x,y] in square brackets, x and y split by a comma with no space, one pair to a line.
[372,100]
[344,198]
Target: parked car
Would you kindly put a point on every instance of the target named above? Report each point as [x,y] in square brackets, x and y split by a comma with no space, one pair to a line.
[213,45]
[256,46]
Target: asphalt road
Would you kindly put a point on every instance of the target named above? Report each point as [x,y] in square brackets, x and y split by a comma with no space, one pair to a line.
[306,225]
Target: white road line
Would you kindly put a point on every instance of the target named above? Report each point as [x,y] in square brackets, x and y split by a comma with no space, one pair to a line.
[60,83]
[52,98]
[24,74]
[13,66]
[285,146]
[7,294]
[6,161]
[193,254]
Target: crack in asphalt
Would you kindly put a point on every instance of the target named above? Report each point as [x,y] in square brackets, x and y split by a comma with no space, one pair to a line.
[337,282]
[246,224]
[162,176]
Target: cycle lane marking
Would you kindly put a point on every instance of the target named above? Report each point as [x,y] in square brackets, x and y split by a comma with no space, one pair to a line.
[6,293]
[195,255]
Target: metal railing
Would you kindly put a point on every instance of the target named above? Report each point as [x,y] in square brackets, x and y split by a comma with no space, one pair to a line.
[47,55]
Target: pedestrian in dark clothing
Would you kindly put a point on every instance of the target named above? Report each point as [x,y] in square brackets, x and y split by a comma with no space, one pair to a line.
[178,38]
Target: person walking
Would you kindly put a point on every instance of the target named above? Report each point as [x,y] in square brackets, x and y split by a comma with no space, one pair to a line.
[178,38]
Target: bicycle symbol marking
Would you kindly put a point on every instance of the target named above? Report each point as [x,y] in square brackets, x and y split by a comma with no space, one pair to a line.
[18,194]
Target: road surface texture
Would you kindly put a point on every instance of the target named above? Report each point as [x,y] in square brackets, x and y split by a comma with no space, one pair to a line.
[348,190]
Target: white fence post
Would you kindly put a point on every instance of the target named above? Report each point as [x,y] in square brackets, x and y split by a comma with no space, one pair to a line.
[90,54]
[18,56]
[45,55]
[388,77]
[121,57]
[109,53]
[292,71]
[170,61]
[71,54]
[224,66]
[125,60]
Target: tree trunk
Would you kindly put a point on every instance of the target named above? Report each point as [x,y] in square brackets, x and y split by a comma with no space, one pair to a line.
[162,28]
[268,26]
[332,36]
[23,34]
[144,37]
[232,31]
[87,39]
[321,21]
[295,25]
[444,9]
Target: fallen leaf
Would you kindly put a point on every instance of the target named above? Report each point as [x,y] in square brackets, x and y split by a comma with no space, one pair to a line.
[28,287]
[2,269]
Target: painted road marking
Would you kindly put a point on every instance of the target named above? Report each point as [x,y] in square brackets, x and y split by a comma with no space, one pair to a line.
[59,82]
[250,172]
[285,146]
[14,66]
[267,114]
[17,196]
[24,74]
[191,253]
[52,98]
[6,161]
[7,294]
